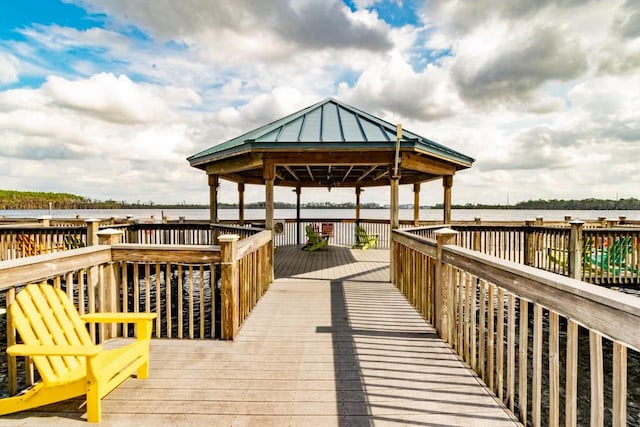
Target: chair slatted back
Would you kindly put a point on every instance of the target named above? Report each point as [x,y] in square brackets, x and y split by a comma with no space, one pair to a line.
[43,315]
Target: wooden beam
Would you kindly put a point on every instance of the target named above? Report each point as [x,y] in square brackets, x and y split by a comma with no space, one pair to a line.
[364,175]
[291,172]
[422,164]
[416,204]
[380,175]
[347,173]
[310,174]
[447,183]
[213,198]
[395,219]
[269,178]
[241,203]
[235,164]
[237,178]
[358,191]
[337,157]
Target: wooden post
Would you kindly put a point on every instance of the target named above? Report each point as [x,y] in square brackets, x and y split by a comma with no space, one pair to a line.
[444,236]
[229,275]
[298,191]
[447,183]
[395,221]
[269,181]
[213,198]
[45,221]
[241,203]
[93,226]
[575,250]
[359,190]
[109,236]
[529,251]
[112,271]
[416,204]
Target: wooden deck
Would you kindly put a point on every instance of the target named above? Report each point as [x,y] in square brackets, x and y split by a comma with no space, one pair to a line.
[332,343]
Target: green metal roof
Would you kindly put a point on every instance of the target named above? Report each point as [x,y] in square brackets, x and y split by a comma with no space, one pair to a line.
[325,125]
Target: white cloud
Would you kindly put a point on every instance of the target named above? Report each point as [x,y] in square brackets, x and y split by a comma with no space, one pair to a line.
[540,93]
[8,68]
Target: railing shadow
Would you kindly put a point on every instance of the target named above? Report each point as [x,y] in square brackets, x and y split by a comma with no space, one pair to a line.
[390,366]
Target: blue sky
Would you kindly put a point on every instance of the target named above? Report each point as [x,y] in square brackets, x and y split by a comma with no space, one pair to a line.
[107,98]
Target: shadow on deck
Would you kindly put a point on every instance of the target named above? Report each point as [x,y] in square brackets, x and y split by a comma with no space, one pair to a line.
[331,343]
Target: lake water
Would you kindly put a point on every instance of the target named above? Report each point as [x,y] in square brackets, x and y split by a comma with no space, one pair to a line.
[406,214]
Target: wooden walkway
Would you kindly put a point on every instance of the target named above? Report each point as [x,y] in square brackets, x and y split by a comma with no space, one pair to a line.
[332,343]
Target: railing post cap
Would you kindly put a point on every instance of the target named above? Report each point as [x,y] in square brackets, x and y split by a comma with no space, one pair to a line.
[44,217]
[445,232]
[109,232]
[92,220]
[228,238]
[576,222]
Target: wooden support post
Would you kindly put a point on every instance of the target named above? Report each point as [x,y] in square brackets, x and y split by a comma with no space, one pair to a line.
[109,236]
[359,190]
[529,250]
[213,198]
[575,250]
[416,204]
[241,203]
[45,221]
[444,236]
[447,183]
[93,226]
[395,219]
[269,181]
[298,191]
[229,275]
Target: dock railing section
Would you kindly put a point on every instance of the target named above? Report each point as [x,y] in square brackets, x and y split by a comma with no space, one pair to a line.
[502,317]
[188,286]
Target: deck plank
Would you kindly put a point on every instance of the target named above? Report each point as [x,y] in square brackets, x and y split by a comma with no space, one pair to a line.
[332,343]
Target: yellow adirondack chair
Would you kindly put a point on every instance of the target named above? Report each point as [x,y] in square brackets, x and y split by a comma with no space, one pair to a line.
[55,336]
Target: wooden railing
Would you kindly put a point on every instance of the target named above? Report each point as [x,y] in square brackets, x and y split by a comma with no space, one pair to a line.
[503,317]
[606,256]
[19,242]
[181,283]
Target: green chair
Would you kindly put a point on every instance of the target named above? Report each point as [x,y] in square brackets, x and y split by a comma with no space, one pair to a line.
[613,258]
[314,241]
[365,240]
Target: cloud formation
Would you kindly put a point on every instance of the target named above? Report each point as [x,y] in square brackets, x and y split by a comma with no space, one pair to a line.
[540,93]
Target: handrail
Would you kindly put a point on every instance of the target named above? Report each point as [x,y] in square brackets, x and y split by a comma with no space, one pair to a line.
[476,301]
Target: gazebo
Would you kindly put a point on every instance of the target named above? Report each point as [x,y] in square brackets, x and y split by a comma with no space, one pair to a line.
[330,144]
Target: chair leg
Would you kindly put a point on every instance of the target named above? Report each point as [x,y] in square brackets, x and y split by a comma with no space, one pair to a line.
[94,405]
[143,371]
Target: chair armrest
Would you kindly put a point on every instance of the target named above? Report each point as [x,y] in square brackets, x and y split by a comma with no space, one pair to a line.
[53,350]
[118,317]
[141,320]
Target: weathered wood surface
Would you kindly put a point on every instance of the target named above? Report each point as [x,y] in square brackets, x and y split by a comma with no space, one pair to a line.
[331,343]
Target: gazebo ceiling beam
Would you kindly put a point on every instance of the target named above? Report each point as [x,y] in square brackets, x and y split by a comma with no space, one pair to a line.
[239,164]
[333,158]
[310,174]
[422,164]
[347,173]
[380,175]
[292,173]
[364,175]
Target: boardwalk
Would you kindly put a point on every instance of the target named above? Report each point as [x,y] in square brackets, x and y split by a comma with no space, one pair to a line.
[331,344]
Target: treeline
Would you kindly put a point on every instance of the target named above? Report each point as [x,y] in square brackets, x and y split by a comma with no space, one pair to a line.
[38,200]
[310,205]
[554,204]
[10,199]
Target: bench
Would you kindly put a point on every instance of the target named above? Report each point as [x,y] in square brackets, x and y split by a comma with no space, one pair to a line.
[55,336]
